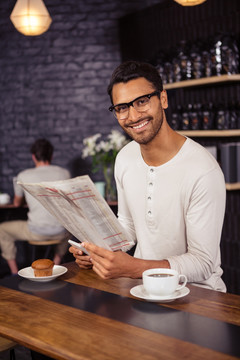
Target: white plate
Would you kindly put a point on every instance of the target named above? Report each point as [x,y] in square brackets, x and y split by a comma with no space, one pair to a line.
[139,291]
[28,273]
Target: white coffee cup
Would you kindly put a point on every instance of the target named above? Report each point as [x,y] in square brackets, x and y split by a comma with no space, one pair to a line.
[4,199]
[162,282]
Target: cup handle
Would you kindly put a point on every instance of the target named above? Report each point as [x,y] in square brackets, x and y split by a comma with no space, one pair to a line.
[184,282]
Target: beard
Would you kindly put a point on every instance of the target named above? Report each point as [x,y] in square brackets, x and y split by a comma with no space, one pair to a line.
[147,136]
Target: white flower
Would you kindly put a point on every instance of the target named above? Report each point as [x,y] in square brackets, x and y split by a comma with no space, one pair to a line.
[90,145]
[117,139]
[104,146]
[103,153]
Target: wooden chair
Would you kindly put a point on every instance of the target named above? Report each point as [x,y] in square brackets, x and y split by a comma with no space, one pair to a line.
[47,245]
[5,345]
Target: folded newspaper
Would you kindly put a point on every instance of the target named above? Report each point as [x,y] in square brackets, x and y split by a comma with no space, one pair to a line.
[82,210]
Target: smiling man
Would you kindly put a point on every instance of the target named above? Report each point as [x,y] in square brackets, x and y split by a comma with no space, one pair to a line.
[171,191]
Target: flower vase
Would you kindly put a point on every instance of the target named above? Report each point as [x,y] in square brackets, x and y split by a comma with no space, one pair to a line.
[100,185]
[110,188]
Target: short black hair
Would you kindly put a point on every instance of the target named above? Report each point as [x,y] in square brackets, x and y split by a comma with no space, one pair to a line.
[42,149]
[130,70]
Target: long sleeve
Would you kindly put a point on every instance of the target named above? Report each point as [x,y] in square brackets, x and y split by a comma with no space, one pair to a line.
[204,220]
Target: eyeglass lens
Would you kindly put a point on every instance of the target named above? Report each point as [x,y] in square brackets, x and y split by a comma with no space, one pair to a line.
[141,105]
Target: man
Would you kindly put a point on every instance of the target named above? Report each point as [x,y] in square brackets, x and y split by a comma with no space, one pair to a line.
[171,191]
[41,225]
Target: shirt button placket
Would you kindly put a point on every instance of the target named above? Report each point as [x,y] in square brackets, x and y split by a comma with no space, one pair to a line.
[150,195]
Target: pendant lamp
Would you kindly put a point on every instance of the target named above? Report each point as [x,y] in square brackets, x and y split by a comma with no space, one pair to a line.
[30,17]
[189,2]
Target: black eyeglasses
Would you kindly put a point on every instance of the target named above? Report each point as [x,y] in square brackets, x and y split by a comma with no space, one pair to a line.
[141,104]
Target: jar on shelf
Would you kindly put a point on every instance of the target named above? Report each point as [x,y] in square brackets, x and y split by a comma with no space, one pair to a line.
[168,73]
[224,55]
[207,116]
[237,106]
[176,118]
[165,67]
[216,55]
[182,63]
[230,55]
[186,64]
[222,117]
[186,118]
[196,59]
[195,117]
[233,115]
[176,70]
[206,63]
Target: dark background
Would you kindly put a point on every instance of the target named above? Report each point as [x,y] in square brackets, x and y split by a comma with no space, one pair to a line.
[54,85]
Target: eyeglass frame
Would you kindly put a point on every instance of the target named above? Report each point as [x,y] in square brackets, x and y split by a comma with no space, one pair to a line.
[130,103]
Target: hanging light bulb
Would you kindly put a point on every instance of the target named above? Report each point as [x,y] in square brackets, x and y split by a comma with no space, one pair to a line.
[189,2]
[30,17]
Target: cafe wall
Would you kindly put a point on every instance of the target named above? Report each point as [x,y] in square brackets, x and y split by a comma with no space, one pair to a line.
[54,85]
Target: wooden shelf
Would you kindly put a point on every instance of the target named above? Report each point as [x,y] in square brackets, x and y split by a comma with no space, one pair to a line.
[210,133]
[233,186]
[204,81]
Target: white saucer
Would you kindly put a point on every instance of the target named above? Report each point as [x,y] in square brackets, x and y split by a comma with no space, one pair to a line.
[139,291]
[28,273]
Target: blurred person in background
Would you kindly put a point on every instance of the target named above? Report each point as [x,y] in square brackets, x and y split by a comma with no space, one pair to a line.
[40,225]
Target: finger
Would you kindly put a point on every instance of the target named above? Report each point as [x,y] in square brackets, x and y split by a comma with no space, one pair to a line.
[101,271]
[97,250]
[83,260]
[83,265]
[75,251]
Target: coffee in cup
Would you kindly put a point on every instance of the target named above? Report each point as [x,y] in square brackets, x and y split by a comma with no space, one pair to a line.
[162,282]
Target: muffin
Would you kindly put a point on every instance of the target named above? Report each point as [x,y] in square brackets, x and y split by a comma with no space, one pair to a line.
[42,267]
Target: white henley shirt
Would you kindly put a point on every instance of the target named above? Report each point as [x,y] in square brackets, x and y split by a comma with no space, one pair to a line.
[174,211]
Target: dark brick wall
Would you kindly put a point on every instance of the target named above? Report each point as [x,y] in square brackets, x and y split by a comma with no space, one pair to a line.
[54,85]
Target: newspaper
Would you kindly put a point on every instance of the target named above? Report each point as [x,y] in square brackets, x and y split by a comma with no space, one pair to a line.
[81,209]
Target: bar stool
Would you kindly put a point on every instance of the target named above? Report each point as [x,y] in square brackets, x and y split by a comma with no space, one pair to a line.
[48,245]
[5,345]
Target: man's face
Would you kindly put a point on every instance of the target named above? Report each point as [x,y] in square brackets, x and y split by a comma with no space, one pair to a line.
[140,126]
